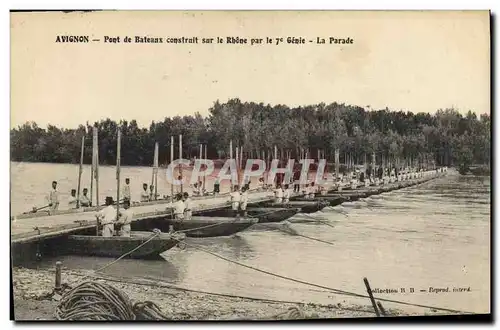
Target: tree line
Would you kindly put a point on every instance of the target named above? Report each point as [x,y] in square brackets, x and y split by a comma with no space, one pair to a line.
[446,137]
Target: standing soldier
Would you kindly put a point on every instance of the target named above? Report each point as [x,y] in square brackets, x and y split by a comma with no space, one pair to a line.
[125,219]
[235,200]
[286,194]
[53,197]
[107,218]
[188,213]
[126,190]
[179,207]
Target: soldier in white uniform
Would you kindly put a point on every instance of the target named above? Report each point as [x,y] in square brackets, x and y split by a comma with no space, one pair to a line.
[53,197]
[126,190]
[84,199]
[179,207]
[286,194]
[144,193]
[278,195]
[72,199]
[235,200]
[188,213]
[125,219]
[107,218]
[244,201]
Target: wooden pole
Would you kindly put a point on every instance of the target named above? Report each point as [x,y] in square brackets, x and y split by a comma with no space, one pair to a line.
[237,162]
[58,275]
[204,177]
[337,162]
[369,290]
[118,159]
[381,308]
[80,173]
[171,161]
[96,170]
[155,169]
[231,157]
[180,157]
[92,175]
[241,157]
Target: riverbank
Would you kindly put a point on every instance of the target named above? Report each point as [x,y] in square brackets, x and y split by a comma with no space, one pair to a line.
[34,300]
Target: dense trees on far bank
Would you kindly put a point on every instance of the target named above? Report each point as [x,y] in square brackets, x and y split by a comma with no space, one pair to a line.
[447,137]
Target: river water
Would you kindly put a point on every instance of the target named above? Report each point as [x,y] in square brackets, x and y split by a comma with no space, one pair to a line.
[434,235]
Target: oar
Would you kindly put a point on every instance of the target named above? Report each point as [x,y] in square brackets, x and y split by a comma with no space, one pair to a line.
[319,221]
[36,210]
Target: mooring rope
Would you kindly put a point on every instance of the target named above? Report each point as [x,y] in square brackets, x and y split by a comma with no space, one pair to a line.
[146,282]
[336,291]
[201,227]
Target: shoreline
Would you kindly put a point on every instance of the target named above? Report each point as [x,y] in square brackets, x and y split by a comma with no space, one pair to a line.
[34,299]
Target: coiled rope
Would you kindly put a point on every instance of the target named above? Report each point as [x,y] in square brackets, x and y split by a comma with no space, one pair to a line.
[94,301]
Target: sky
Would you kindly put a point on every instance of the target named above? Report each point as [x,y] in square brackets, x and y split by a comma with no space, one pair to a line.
[411,61]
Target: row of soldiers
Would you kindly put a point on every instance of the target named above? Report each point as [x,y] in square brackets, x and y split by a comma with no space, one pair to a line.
[54,202]
[53,198]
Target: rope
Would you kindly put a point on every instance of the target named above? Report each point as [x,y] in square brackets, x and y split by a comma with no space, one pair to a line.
[148,310]
[261,214]
[94,301]
[202,227]
[318,221]
[293,313]
[314,239]
[337,291]
[175,287]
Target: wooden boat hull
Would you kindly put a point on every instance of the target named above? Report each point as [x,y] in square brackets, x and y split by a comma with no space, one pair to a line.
[309,206]
[117,246]
[265,215]
[331,200]
[200,226]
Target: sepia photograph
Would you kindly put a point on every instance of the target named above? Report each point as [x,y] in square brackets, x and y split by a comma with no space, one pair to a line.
[250,165]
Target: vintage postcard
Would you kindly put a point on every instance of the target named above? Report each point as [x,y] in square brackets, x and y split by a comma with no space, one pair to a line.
[250,165]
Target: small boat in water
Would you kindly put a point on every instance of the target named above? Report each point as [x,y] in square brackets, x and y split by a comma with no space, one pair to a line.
[332,200]
[202,226]
[264,214]
[271,214]
[309,206]
[117,246]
